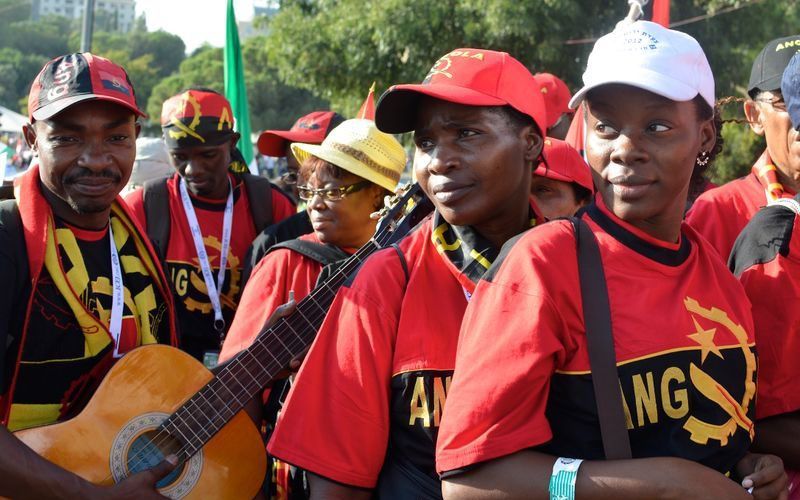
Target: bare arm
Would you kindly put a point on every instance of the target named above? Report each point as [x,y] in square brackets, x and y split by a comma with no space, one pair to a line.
[322,488]
[526,474]
[24,474]
[780,435]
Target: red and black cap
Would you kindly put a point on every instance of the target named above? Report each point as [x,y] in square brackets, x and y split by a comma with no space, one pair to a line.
[312,128]
[475,77]
[196,117]
[74,78]
[564,163]
[769,64]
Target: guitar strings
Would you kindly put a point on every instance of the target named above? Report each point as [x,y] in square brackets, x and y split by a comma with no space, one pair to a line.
[378,242]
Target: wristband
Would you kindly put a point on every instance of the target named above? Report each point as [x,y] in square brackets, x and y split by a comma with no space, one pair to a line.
[562,482]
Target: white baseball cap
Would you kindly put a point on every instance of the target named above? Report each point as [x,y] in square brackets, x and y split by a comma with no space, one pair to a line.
[649,56]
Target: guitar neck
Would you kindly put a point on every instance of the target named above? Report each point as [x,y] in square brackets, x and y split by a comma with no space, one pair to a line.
[235,384]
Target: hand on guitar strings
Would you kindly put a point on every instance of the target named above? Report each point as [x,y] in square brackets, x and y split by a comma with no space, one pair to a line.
[141,485]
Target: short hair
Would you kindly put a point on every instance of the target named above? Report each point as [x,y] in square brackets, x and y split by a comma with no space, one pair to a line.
[582,195]
[516,119]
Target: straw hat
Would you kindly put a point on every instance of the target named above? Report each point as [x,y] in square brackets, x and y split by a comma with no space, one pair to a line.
[360,148]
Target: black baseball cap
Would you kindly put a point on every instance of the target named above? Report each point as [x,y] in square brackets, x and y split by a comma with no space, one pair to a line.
[770,62]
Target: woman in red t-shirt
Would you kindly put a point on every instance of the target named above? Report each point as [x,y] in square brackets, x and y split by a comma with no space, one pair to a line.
[522,391]
[345,180]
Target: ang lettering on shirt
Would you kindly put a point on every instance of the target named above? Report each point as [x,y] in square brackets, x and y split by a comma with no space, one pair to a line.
[689,401]
[418,399]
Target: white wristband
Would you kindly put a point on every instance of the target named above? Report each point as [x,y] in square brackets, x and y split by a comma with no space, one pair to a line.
[562,482]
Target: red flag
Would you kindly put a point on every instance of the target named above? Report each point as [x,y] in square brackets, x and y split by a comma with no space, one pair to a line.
[661,12]
[576,135]
[367,110]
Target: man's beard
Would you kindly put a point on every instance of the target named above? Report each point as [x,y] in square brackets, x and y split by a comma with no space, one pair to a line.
[89,206]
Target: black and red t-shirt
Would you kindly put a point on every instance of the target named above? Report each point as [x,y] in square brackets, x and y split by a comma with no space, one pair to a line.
[194,310]
[766,259]
[684,345]
[721,213]
[278,273]
[378,373]
[61,363]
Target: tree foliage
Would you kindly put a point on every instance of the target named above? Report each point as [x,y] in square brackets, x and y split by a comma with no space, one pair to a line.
[346,44]
[273,104]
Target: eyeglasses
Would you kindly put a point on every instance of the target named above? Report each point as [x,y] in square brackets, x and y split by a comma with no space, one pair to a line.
[289,178]
[330,194]
[777,104]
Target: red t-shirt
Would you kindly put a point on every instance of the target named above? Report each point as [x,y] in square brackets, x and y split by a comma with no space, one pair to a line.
[721,213]
[275,275]
[378,373]
[194,311]
[766,258]
[683,333]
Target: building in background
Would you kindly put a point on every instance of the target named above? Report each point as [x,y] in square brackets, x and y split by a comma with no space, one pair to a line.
[268,8]
[111,15]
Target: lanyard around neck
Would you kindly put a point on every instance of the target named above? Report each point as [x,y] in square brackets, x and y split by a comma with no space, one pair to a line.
[117,296]
[214,289]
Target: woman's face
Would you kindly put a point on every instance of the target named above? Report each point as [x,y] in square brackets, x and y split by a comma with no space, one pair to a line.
[471,162]
[554,198]
[344,223]
[642,149]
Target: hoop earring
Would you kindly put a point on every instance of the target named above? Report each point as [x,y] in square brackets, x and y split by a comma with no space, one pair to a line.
[703,158]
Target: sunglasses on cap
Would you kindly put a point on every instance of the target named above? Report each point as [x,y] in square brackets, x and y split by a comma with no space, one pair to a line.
[777,104]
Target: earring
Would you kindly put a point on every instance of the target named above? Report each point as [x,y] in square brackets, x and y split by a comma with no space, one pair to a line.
[703,158]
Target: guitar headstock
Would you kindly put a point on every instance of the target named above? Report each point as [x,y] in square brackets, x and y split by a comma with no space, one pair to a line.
[400,213]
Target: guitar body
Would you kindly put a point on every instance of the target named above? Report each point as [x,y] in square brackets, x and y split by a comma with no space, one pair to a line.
[115,435]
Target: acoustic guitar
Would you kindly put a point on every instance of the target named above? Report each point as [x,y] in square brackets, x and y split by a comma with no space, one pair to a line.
[157,400]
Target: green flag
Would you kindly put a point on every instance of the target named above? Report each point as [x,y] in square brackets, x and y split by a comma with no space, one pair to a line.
[235,90]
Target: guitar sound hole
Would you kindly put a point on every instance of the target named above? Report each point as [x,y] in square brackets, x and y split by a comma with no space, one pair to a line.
[149,450]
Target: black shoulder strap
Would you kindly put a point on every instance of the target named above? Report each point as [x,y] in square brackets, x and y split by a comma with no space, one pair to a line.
[600,343]
[403,261]
[324,254]
[11,221]
[155,198]
[259,194]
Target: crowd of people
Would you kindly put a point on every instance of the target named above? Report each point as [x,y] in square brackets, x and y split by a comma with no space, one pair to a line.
[559,326]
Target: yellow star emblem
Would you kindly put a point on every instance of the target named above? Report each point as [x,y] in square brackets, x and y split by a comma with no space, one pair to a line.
[706,340]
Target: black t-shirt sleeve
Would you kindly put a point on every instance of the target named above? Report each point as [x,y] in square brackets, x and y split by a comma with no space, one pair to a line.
[766,236]
[288,229]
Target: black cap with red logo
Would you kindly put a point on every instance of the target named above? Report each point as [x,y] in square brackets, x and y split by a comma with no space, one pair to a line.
[74,78]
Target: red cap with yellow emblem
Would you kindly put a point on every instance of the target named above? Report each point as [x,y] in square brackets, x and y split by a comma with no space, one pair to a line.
[475,77]
[73,78]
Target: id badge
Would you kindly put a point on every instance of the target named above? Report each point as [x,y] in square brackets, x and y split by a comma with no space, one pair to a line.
[210,359]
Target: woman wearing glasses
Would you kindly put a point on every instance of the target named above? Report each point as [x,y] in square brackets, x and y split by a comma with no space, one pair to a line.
[343,181]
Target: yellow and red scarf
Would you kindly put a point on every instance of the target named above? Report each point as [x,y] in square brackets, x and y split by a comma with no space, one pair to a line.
[46,244]
[767,174]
